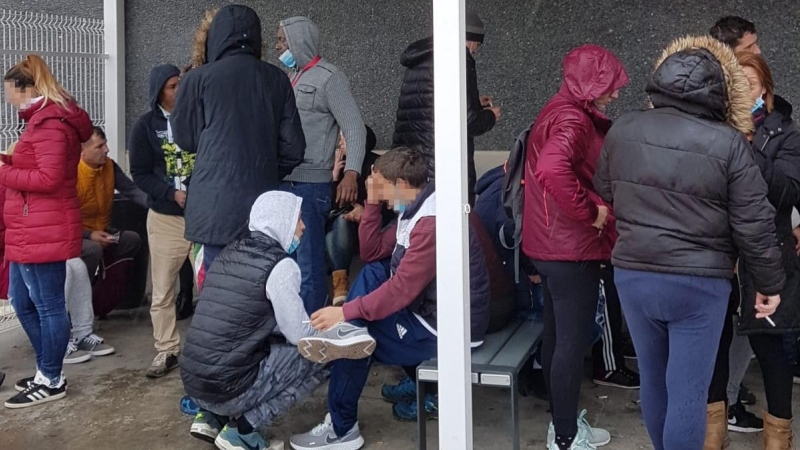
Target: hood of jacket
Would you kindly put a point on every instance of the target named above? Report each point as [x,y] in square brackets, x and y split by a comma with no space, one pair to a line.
[72,115]
[417,52]
[235,29]
[302,35]
[590,72]
[159,76]
[700,76]
[275,214]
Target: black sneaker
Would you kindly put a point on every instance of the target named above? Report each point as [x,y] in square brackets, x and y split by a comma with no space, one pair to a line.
[745,396]
[36,394]
[741,420]
[25,383]
[622,379]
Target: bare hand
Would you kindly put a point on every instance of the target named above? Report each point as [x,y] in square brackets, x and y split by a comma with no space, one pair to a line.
[496,111]
[338,169]
[766,305]
[535,279]
[486,101]
[326,318]
[372,191]
[355,214]
[102,238]
[602,217]
[180,198]
[796,233]
[347,192]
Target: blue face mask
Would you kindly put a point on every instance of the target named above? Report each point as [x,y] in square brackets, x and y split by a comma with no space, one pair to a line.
[398,207]
[759,104]
[293,246]
[287,59]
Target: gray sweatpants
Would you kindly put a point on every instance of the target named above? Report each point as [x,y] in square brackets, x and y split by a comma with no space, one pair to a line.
[283,379]
[78,293]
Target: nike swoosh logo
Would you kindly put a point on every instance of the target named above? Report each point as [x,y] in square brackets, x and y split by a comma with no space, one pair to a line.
[345,333]
[330,441]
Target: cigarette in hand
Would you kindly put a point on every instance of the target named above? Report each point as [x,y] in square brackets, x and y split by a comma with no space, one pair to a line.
[770,321]
[308,321]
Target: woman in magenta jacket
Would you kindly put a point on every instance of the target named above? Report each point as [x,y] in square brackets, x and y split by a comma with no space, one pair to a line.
[42,218]
[567,231]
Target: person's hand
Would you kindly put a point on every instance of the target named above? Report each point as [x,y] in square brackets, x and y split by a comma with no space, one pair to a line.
[355,214]
[347,191]
[602,217]
[766,305]
[102,238]
[796,233]
[496,111]
[535,279]
[372,191]
[338,169]
[486,101]
[326,318]
[180,198]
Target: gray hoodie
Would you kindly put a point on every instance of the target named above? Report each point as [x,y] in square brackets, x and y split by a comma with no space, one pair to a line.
[326,105]
[275,214]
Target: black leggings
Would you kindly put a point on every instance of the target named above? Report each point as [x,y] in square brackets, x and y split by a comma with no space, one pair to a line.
[570,304]
[776,359]
[718,390]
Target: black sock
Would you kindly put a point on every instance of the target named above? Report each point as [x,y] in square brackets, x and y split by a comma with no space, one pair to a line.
[564,442]
[244,426]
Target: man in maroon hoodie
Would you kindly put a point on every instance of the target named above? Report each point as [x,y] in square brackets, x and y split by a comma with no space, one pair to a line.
[401,314]
[567,228]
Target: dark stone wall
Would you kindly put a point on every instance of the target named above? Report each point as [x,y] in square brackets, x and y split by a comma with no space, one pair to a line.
[519,65]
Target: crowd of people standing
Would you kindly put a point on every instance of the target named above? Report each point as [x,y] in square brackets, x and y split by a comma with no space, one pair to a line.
[681,213]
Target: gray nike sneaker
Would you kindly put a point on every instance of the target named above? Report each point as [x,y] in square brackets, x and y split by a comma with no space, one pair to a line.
[322,437]
[343,341]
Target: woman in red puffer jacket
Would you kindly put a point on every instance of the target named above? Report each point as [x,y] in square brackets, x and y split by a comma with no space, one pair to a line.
[567,230]
[42,218]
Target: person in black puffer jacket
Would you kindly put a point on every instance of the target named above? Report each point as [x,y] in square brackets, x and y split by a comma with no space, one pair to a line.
[414,125]
[240,359]
[688,200]
[776,147]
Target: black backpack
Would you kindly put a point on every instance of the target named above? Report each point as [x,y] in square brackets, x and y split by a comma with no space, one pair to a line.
[514,195]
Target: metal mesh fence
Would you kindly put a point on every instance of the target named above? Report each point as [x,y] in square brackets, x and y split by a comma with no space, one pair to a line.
[73,47]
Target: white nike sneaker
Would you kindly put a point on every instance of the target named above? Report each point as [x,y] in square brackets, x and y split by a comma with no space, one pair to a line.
[343,341]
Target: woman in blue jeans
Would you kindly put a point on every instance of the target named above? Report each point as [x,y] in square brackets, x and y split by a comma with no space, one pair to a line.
[688,200]
[42,218]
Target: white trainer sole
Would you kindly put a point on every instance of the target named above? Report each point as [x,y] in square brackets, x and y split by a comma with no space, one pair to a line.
[204,432]
[225,445]
[51,398]
[321,350]
[352,445]
[82,359]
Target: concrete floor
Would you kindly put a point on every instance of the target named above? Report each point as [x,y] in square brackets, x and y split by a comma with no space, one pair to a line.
[111,405]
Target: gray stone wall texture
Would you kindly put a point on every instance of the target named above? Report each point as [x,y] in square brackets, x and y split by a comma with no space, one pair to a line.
[519,65]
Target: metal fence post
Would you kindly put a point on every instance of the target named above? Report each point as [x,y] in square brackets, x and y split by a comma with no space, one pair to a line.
[114,18]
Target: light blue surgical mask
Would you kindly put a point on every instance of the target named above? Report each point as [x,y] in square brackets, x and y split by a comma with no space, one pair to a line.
[287,59]
[293,246]
[398,207]
[759,104]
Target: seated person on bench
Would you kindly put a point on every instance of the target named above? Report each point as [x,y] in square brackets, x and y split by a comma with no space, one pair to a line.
[98,177]
[400,314]
[240,362]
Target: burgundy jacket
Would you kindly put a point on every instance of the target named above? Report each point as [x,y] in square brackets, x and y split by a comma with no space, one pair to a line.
[562,154]
[42,212]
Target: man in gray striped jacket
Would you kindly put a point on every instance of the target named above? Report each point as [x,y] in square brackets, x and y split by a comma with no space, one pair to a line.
[326,107]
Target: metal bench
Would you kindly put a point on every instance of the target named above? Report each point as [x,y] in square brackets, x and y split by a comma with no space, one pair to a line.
[496,363]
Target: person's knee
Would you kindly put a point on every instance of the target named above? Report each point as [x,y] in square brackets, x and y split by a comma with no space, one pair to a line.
[129,243]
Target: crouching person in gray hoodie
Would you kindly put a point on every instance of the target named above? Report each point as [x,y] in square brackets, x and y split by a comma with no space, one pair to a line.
[240,362]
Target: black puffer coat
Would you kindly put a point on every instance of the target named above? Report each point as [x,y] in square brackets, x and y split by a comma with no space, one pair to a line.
[414,125]
[776,146]
[687,195]
[233,325]
[238,114]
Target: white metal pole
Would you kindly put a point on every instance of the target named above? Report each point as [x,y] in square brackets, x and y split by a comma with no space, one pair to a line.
[452,249]
[114,23]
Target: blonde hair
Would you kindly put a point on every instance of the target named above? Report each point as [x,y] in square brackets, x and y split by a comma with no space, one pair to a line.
[33,72]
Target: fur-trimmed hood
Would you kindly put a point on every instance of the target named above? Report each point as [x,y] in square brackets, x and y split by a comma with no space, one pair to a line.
[700,76]
[200,38]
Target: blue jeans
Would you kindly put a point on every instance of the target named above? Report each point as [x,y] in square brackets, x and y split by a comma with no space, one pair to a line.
[342,243]
[676,323]
[401,341]
[37,295]
[310,254]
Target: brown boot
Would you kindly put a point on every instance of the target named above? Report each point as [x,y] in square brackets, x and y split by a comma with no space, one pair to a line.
[341,285]
[716,427]
[777,433]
